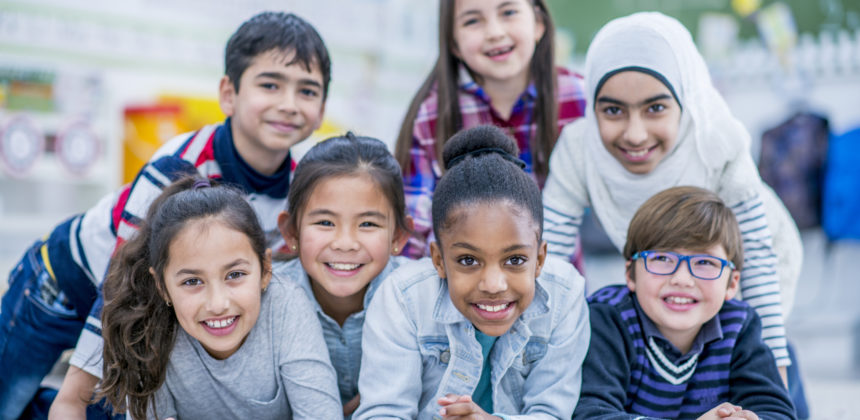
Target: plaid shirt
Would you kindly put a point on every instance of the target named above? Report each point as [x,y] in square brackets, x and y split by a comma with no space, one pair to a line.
[475,109]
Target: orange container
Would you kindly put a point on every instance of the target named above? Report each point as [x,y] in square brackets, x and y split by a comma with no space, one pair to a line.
[146,129]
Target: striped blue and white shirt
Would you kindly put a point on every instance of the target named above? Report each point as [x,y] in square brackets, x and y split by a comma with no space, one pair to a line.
[632,371]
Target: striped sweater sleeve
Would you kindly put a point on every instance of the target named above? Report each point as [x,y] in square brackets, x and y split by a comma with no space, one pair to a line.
[759,282]
[560,231]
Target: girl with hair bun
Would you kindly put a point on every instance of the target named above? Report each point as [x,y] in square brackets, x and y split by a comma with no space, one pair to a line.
[481,329]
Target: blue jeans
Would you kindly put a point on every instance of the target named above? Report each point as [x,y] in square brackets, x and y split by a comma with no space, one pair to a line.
[35,328]
[795,386]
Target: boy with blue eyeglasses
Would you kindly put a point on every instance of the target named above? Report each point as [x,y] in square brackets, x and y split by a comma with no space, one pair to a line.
[673,343]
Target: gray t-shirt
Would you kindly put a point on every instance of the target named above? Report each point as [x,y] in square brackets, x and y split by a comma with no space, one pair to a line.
[282,370]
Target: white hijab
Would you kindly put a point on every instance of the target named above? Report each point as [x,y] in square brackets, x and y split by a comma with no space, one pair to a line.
[709,137]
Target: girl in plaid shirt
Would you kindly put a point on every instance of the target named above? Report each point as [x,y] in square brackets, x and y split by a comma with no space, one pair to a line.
[495,66]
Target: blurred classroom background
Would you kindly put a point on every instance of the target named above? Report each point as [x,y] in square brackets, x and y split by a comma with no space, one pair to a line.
[88,90]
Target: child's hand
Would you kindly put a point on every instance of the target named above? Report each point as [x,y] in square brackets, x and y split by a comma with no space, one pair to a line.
[351,405]
[461,407]
[728,411]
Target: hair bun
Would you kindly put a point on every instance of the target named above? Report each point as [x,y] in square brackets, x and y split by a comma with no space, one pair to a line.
[478,141]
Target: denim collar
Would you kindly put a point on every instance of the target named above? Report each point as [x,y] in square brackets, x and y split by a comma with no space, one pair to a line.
[446,313]
[305,283]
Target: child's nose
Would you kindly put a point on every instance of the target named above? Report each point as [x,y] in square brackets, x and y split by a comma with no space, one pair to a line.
[346,240]
[683,277]
[493,281]
[288,102]
[636,132]
[493,29]
[218,301]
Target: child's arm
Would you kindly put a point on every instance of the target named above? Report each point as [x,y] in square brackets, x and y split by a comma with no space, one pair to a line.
[564,195]
[74,396]
[754,382]
[606,370]
[760,283]
[309,379]
[390,379]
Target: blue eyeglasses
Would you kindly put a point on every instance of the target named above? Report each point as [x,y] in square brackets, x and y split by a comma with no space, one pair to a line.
[701,266]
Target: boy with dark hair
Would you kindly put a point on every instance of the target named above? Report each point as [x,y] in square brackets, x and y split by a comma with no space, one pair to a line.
[277,71]
[673,343]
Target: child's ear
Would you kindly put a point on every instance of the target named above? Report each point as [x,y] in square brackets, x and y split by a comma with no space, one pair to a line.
[159,287]
[540,25]
[322,117]
[401,236]
[629,275]
[438,261]
[267,269]
[227,96]
[541,258]
[734,284]
[291,238]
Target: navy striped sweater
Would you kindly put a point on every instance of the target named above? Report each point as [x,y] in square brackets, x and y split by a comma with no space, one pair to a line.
[628,375]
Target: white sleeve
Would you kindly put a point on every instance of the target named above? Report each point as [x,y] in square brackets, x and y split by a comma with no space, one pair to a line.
[564,196]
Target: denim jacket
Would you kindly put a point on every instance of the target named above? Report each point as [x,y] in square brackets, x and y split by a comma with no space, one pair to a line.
[417,347]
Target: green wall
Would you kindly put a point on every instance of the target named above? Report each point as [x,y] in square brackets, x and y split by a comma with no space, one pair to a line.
[583,18]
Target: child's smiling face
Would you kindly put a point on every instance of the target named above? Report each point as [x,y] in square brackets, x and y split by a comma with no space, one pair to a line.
[214,281]
[496,38]
[638,120]
[491,256]
[679,304]
[276,106]
[346,233]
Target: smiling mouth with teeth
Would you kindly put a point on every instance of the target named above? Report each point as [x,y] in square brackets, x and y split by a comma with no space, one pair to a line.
[343,266]
[500,51]
[679,300]
[638,153]
[492,308]
[223,323]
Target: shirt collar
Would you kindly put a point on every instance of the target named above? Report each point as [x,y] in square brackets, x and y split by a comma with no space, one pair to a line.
[294,269]
[711,330]
[238,172]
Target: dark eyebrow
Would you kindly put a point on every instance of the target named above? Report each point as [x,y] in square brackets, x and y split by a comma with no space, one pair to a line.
[231,264]
[515,247]
[473,248]
[372,213]
[282,78]
[464,245]
[321,212]
[658,97]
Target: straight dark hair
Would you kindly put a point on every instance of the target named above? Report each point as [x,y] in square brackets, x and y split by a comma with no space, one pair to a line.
[276,31]
[138,325]
[347,155]
[443,78]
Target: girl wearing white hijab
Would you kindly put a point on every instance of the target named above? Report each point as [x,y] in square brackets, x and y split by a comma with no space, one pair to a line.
[655,121]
